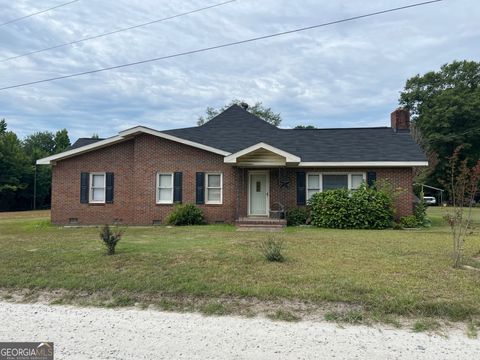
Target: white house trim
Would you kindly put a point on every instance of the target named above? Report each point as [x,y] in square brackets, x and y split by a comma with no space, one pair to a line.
[122,136]
[289,158]
[91,188]
[364,164]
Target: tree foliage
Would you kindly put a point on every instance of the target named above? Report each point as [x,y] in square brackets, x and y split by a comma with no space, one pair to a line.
[304,127]
[3,126]
[463,186]
[263,112]
[18,170]
[445,107]
[14,168]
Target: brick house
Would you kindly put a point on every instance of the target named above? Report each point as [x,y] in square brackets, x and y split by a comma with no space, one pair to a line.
[235,166]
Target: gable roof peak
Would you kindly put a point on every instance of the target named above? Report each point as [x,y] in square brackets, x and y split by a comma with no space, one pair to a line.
[236,117]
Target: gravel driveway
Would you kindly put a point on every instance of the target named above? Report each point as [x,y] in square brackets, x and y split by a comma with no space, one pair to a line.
[97,333]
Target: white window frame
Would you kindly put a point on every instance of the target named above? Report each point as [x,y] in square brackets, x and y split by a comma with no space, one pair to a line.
[364,176]
[90,188]
[320,183]
[320,174]
[207,188]
[157,188]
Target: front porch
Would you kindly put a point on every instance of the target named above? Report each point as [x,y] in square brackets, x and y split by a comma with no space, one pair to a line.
[266,186]
[264,196]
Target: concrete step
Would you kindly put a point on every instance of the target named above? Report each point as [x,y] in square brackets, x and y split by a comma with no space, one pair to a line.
[263,221]
[260,224]
[263,229]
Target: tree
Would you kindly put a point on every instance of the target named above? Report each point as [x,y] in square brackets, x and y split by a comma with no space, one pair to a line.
[304,127]
[445,107]
[37,146]
[3,126]
[18,172]
[62,141]
[263,112]
[463,185]
[13,167]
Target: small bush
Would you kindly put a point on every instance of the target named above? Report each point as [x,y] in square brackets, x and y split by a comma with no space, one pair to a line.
[365,208]
[297,216]
[187,214]
[397,226]
[272,249]
[409,221]
[111,238]
[420,213]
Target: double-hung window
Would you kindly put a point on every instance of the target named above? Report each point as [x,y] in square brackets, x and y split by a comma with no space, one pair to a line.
[313,184]
[356,181]
[97,188]
[317,182]
[214,188]
[164,188]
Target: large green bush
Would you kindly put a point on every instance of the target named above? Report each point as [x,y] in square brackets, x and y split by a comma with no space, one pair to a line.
[187,214]
[365,208]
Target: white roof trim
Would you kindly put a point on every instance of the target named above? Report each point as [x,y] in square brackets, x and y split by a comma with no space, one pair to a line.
[122,136]
[289,158]
[364,163]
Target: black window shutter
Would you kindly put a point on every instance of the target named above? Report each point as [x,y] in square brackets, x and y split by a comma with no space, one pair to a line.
[177,187]
[84,179]
[109,188]
[200,188]
[301,195]
[371,178]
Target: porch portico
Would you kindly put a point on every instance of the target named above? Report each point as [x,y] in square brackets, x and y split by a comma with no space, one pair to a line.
[264,183]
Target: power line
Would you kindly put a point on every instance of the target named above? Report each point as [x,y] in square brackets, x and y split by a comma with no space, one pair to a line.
[116,31]
[220,46]
[37,13]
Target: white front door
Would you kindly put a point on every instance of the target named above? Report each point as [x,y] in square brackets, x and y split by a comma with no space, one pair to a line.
[258,193]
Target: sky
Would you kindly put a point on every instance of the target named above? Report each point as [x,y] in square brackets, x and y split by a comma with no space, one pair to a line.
[344,75]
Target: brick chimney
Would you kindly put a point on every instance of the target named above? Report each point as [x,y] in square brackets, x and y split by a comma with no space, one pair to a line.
[400,120]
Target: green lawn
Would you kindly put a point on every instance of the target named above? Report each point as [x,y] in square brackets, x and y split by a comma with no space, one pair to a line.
[399,272]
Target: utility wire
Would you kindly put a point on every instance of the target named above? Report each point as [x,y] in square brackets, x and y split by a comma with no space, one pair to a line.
[116,31]
[219,46]
[37,13]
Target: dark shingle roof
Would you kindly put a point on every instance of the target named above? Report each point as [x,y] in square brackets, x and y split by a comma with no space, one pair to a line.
[82,142]
[236,129]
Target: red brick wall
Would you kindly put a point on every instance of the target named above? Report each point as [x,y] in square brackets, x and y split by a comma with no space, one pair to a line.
[135,163]
[66,186]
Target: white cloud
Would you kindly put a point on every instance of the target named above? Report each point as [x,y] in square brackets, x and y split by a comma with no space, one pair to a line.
[348,74]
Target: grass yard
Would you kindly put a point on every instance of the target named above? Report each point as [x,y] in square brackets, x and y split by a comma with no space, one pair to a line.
[391,272]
